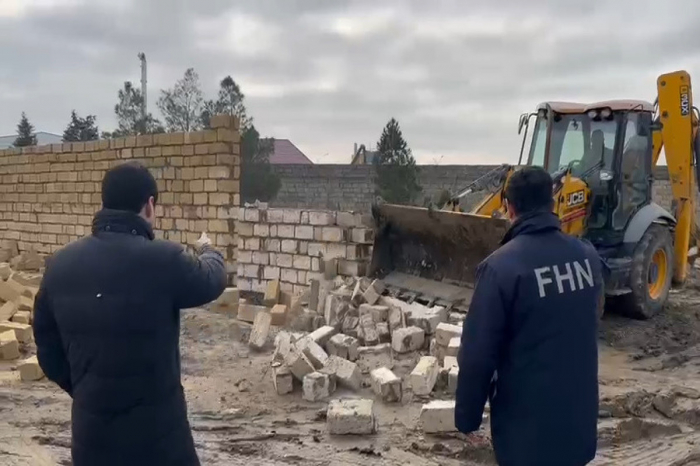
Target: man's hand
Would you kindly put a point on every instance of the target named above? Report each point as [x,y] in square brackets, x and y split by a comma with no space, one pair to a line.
[202,242]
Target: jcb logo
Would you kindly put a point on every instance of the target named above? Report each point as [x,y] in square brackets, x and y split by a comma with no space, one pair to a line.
[576,198]
[685,101]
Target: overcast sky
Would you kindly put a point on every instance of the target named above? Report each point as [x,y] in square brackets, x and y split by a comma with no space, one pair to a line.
[328,73]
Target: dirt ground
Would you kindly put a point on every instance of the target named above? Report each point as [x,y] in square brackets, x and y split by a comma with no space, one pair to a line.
[650,404]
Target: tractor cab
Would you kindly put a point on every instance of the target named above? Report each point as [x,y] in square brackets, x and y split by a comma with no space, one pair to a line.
[608,146]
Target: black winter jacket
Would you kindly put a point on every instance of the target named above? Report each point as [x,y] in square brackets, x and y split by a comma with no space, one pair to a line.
[106,326]
[529,345]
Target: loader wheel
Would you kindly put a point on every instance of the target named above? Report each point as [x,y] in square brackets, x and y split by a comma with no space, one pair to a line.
[650,278]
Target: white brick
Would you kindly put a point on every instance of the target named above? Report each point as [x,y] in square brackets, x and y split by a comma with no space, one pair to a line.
[285,231]
[317,249]
[453,346]
[271,273]
[261,229]
[252,244]
[272,245]
[261,328]
[427,318]
[298,363]
[351,417]
[347,373]
[304,232]
[323,334]
[261,258]
[386,384]
[424,375]
[438,416]
[378,313]
[345,219]
[301,277]
[343,346]
[275,215]
[361,235]
[351,268]
[302,262]
[9,345]
[288,275]
[251,270]
[446,332]
[282,380]
[383,332]
[317,386]
[292,216]
[321,218]
[335,250]
[315,264]
[244,229]
[405,340]
[313,351]
[374,357]
[5,271]
[251,215]
[289,245]
[285,260]
[452,378]
[245,257]
[29,369]
[273,230]
[303,247]
[332,234]
[374,291]
[449,362]
[368,330]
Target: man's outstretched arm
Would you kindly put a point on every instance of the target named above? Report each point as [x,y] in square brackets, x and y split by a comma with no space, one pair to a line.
[199,279]
[49,346]
[482,338]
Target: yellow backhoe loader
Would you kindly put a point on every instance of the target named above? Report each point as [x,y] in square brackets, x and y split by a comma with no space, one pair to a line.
[601,157]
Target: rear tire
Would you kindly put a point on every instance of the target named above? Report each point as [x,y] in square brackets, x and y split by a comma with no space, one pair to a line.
[651,274]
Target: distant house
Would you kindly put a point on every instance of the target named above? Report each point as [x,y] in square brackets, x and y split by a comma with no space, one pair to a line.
[42,138]
[286,153]
[362,156]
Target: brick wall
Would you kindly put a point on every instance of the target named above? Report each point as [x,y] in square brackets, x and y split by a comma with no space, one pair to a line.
[290,244]
[49,194]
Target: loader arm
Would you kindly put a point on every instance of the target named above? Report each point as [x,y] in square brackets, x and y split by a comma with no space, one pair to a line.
[676,135]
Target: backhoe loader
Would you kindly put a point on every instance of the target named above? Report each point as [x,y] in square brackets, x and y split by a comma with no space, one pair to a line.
[601,157]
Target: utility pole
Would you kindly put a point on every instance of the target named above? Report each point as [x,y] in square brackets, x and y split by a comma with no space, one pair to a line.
[144,92]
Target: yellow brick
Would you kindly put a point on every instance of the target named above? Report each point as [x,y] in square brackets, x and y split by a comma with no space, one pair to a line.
[272,293]
[210,185]
[177,138]
[219,198]
[200,198]
[187,150]
[29,369]
[196,186]
[7,311]
[22,317]
[221,121]
[7,293]
[279,315]
[201,149]
[9,346]
[228,186]
[23,332]
[144,140]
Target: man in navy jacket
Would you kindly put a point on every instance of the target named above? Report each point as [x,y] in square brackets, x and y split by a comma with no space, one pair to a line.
[529,342]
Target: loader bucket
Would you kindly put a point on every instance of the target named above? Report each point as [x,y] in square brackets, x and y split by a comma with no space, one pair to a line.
[431,255]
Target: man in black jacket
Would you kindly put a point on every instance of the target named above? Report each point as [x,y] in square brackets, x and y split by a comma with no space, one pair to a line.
[107,326]
[529,343]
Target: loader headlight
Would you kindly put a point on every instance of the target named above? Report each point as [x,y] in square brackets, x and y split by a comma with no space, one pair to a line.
[606,175]
[592,114]
[606,113]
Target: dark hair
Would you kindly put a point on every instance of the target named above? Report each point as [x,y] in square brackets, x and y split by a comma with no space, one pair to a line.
[530,190]
[128,186]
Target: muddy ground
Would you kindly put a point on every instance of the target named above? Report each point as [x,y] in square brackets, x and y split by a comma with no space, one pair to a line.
[650,404]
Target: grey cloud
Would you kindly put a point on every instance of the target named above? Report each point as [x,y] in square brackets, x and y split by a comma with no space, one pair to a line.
[457,94]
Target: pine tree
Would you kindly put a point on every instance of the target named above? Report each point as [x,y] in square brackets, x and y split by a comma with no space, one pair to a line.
[129,115]
[81,129]
[25,133]
[181,106]
[397,173]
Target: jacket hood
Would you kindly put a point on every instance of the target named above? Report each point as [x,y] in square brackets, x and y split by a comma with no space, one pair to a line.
[120,221]
[532,223]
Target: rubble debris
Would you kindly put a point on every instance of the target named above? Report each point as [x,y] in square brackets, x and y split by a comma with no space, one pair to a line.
[357,297]
[25,304]
[438,416]
[424,375]
[9,250]
[346,373]
[282,379]
[405,340]
[33,280]
[351,417]
[298,363]
[272,293]
[374,291]
[314,289]
[27,261]
[279,315]
[379,313]
[7,311]
[343,346]
[368,330]
[228,301]
[446,332]
[304,322]
[318,386]
[334,310]
[29,369]
[329,268]
[396,318]
[453,346]
[351,325]
[21,317]
[374,357]
[247,312]
[9,346]
[5,271]
[449,362]
[322,334]
[23,332]
[386,384]
[261,328]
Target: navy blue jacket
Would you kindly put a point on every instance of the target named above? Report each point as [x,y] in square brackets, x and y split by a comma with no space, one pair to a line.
[529,346]
[106,325]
